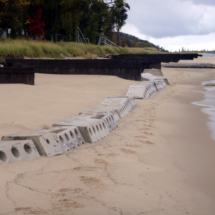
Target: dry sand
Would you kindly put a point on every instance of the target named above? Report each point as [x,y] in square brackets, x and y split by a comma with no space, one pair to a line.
[159,161]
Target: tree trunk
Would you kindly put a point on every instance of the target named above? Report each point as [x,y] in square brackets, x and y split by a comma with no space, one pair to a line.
[55,37]
[118,37]
[7,33]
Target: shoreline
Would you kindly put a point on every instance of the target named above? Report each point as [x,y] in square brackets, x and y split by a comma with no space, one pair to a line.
[158,161]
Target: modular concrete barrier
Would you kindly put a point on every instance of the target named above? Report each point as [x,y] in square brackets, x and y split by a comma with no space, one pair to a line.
[151,89]
[108,117]
[47,144]
[17,151]
[121,104]
[150,77]
[160,84]
[133,102]
[69,137]
[154,72]
[142,90]
[137,91]
[104,111]
[92,130]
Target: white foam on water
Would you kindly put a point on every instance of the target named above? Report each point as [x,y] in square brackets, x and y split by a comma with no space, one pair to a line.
[209,105]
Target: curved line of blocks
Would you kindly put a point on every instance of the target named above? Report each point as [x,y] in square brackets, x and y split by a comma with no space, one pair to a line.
[148,87]
[89,126]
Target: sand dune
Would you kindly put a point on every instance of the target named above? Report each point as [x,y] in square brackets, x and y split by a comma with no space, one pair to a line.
[159,161]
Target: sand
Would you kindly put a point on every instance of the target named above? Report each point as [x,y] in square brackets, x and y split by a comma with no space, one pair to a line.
[159,161]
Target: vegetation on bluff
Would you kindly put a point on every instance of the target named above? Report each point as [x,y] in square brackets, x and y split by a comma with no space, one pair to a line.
[40,49]
[23,21]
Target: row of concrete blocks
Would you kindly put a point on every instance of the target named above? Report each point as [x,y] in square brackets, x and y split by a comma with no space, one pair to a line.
[148,87]
[89,126]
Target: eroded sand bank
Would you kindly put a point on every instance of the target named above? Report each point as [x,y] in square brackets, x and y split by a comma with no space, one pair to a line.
[159,161]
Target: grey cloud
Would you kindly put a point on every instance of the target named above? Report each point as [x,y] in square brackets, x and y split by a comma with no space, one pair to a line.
[170,18]
[204,2]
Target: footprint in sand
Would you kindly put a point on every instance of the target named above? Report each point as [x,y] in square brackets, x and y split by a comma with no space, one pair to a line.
[92,182]
[100,161]
[146,142]
[140,137]
[128,151]
[85,168]
[132,146]
[147,133]
[70,190]
[69,203]
[149,126]
[30,210]
[145,129]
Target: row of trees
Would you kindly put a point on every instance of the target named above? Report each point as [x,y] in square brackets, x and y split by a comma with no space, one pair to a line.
[61,18]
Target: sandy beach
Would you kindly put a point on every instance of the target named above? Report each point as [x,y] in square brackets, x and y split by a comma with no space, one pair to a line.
[159,161]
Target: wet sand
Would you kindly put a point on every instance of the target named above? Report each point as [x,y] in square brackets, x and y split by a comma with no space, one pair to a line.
[159,161]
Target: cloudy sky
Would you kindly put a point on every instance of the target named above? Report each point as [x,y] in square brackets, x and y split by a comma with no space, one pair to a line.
[173,24]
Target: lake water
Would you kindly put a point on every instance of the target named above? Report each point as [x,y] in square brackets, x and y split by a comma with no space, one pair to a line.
[208,105]
[208,55]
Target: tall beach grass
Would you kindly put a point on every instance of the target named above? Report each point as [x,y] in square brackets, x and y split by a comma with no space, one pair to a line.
[39,49]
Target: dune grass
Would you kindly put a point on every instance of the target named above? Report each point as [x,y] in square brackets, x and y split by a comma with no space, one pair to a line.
[38,49]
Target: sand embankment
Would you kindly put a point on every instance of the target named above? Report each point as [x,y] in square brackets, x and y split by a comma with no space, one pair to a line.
[159,161]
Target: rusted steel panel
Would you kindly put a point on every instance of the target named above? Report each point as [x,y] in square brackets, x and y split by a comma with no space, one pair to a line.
[16,75]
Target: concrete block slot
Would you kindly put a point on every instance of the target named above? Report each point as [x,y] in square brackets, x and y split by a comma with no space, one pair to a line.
[27,149]
[15,152]
[72,135]
[67,137]
[3,157]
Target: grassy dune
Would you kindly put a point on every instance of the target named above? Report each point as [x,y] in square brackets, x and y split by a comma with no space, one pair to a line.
[40,49]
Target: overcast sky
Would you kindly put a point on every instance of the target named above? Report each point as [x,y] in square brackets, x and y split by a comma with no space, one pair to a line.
[173,24]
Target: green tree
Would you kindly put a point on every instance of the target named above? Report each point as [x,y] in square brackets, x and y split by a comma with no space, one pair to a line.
[119,14]
[13,14]
[95,19]
[56,11]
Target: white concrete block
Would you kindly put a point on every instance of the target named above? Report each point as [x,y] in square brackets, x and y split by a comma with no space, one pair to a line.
[121,104]
[47,144]
[137,91]
[133,102]
[150,77]
[92,130]
[142,90]
[147,76]
[159,84]
[107,117]
[151,89]
[155,72]
[17,150]
[104,111]
[69,136]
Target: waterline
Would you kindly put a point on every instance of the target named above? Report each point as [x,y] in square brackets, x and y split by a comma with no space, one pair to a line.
[209,105]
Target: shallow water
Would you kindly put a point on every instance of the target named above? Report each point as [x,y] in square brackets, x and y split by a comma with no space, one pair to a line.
[209,105]
[208,55]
